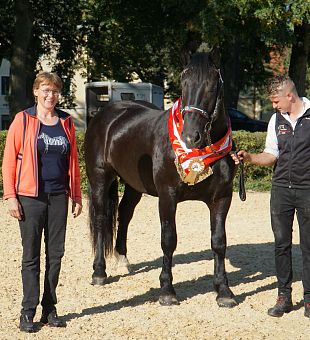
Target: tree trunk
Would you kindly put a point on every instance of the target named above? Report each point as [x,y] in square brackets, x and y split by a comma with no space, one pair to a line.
[19,98]
[231,74]
[299,57]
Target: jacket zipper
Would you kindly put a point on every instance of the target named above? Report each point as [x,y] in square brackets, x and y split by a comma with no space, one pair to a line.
[36,158]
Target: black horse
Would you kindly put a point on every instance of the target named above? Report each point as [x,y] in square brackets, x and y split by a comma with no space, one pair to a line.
[146,149]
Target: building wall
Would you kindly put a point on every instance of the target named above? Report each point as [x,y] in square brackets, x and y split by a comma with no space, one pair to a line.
[4,106]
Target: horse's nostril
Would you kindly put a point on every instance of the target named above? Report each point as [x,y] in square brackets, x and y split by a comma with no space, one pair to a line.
[197,137]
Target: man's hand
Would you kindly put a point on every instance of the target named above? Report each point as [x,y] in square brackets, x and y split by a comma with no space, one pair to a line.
[240,156]
[261,159]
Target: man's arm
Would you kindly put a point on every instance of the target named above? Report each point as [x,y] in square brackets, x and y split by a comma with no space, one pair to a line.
[262,159]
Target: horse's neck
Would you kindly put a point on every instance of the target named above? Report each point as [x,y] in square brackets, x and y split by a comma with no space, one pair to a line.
[219,126]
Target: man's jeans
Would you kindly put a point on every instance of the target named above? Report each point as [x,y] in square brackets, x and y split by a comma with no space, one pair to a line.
[47,212]
[283,204]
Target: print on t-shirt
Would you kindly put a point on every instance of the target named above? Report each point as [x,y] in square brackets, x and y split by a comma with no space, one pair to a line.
[59,141]
[53,151]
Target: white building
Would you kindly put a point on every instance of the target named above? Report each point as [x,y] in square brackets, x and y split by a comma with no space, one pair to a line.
[4,91]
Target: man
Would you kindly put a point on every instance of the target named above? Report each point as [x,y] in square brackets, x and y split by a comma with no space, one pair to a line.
[288,148]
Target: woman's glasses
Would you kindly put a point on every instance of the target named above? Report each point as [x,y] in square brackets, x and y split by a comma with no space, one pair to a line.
[52,92]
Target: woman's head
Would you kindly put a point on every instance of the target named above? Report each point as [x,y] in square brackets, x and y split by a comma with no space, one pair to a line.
[47,78]
[46,90]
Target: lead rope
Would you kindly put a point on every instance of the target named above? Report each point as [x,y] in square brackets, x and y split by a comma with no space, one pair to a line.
[242,192]
[208,129]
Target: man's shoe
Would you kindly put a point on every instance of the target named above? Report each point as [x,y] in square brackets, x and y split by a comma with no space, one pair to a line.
[52,319]
[307,309]
[283,305]
[26,324]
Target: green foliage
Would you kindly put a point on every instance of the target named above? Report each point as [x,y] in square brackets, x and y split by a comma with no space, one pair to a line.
[118,39]
[257,178]
[6,27]
[80,147]
[55,36]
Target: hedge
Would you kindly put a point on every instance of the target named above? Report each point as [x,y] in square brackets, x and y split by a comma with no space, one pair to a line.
[257,178]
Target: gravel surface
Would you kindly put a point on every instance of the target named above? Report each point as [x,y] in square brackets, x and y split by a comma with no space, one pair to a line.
[127,307]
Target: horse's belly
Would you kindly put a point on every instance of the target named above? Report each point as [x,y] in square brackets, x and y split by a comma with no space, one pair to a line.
[137,172]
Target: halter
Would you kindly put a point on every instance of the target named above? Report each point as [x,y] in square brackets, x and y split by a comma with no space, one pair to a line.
[205,114]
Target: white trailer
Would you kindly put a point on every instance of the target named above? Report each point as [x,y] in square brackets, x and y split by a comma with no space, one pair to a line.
[99,93]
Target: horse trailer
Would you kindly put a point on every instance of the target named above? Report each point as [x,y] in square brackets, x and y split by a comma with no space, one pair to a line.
[99,93]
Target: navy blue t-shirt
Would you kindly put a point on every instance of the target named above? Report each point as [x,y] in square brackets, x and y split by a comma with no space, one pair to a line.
[53,150]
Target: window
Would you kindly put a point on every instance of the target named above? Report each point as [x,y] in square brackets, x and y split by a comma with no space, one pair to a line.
[5,85]
[127,96]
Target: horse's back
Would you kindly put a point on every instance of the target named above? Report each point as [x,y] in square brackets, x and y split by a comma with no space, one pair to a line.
[122,136]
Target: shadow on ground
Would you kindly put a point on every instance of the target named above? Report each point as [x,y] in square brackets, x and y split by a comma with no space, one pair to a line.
[253,262]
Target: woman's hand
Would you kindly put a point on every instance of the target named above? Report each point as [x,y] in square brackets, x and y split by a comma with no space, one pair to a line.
[15,209]
[76,209]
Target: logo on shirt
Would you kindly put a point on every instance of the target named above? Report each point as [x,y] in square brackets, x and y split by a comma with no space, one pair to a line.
[283,130]
[58,141]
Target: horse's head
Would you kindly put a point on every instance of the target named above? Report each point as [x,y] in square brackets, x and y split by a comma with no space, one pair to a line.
[202,100]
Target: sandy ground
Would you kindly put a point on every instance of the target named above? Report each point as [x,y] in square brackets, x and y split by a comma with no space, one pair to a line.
[127,308]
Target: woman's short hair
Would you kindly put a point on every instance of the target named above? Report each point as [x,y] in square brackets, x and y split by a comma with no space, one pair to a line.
[47,78]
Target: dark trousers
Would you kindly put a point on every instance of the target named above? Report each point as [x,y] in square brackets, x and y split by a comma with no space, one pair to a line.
[283,204]
[47,212]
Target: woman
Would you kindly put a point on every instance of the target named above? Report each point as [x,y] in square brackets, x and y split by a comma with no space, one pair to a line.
[40,171]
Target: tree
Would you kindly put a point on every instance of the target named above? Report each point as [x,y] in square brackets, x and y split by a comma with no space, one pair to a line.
[6,27]
[19,61]
[144,38]
[300,56]
[52,31]
[287,24]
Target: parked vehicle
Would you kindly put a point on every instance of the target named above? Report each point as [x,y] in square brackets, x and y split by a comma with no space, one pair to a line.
[240,121]
[99,93]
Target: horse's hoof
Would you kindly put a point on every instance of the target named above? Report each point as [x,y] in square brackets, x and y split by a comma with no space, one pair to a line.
[226,302]
[122,265]
[99,281]
[168,300]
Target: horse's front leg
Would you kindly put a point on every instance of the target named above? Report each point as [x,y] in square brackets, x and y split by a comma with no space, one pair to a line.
[167,210]
[218,214]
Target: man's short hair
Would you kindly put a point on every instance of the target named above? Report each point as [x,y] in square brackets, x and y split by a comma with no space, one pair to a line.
[278,84]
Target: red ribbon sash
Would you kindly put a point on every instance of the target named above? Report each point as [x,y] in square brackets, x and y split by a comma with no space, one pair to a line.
[186,156]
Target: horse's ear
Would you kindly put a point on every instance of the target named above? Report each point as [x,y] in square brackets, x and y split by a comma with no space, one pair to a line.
[216,56]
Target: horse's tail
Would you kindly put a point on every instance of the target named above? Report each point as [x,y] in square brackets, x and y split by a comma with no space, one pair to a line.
[103,223]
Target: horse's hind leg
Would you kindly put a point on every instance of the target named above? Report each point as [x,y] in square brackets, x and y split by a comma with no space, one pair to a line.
[218,213]
[126,209]
[102,210]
